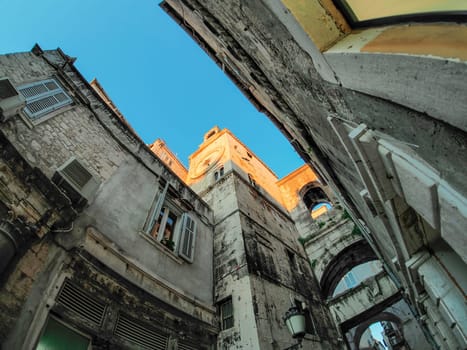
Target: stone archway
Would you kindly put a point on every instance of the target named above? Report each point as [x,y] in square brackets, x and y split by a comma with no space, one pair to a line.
[384,316]
[349,257]
[313,194]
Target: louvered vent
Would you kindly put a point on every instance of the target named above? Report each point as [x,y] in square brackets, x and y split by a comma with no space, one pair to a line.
[80,302]
[140,334]
[43,104]
[77,181]
[34,90]
[76,173]
[182,345]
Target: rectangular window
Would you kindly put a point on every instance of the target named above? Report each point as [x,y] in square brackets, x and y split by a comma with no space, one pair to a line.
[171,227]
[350,280]
[164,227]
[56,336]
[43,97]
[294,264]
[226,310]
[218,174]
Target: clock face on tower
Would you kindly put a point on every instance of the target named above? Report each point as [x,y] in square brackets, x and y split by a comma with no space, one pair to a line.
[207,159]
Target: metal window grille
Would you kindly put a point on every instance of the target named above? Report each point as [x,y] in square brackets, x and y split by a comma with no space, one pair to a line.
[43,97]
[80,302]
[76,173]
[142,335]
[184,345]
[226,309]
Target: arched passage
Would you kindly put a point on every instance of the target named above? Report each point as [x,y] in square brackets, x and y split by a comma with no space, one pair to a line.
[315,198]
[351,256]
[382,317]
[312,195]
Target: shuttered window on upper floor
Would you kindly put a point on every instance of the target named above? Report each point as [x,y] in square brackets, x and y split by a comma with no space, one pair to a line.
[43,97]
[187,238]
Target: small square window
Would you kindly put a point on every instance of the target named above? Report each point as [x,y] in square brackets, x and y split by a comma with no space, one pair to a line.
[226,311]
[219,173]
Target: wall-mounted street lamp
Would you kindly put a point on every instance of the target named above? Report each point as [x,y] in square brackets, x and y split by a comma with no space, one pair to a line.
[295,321]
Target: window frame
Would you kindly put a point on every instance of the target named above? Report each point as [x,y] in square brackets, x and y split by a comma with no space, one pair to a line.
[293,261]
[161,203]
[65,324]
[167,208]
[218,174]
[46,113]
[222,319]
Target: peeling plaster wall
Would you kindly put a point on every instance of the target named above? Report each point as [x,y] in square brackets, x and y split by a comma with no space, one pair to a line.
[251,245]
[120,212]
[231,270]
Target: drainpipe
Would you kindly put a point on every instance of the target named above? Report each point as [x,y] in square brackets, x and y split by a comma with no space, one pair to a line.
[10,243]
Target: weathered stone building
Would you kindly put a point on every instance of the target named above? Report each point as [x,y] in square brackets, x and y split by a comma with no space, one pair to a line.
[378,107]
[110,242]
[101,243]
[260,267]
[105,242]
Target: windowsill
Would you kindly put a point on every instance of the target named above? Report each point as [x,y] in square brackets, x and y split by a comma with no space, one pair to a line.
[159,246]
[312,337]
[227,330]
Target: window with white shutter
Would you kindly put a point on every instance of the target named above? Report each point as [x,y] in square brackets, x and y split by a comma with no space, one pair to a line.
[43,97]
[187,238]
[168,225]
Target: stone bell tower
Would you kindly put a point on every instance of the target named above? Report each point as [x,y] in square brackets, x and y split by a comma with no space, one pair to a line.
[260,266]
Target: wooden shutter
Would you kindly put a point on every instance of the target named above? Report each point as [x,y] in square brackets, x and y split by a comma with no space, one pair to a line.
[43,97]
[157,207]
[187,238]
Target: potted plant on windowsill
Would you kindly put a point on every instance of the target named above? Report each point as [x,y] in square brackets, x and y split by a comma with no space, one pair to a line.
[168,243]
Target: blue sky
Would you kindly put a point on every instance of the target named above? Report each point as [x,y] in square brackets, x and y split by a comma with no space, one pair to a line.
[163,83]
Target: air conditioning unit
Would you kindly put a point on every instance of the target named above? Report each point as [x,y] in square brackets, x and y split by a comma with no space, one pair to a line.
[11,101]
[77,182]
